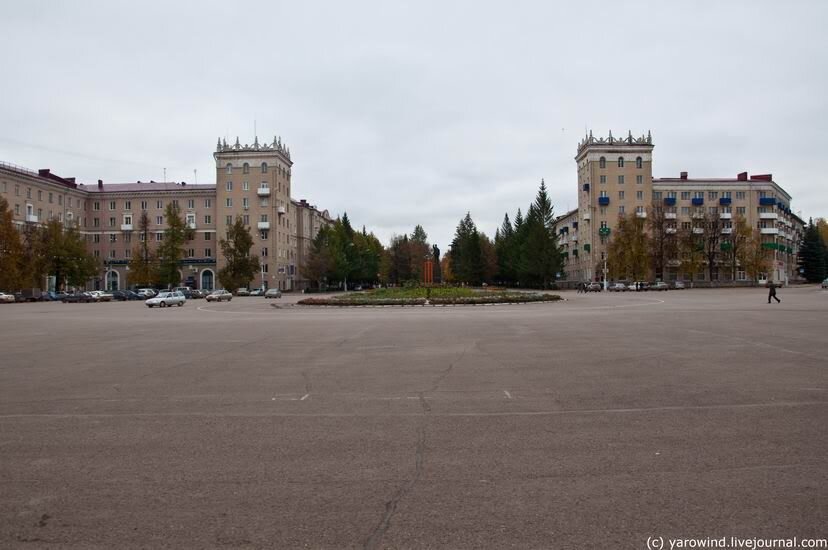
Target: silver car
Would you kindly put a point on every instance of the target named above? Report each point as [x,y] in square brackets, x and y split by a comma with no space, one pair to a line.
[219,296]
[273,293]
[164,299]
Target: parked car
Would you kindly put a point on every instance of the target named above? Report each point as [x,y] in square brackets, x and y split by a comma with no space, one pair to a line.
[51,296]
[659,285]
[100,296]
[77,297]
[678,285]
[242,292]
[219,296]
[186,291]
[146,292]
[6,298]
[198,294]
[125,295]
[164,299]
[617,287]
[594,287]
[257,292]
[639,285]
[273,293]
[825,283]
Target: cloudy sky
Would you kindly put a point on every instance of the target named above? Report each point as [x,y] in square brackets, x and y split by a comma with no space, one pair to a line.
[415,112]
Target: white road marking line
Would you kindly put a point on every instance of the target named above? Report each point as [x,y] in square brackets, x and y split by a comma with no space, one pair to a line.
[508,395]
[304,397]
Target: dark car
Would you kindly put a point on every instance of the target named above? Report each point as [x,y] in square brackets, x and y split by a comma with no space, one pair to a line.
[51,296]
[125,295]
[78,297]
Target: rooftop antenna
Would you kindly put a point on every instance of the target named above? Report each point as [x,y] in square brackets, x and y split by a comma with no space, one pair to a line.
[165,175]
[195,175]
[255,135]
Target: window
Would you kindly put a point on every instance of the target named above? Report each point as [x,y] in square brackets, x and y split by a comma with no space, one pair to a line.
[264,268]
[685,210]
[620,162]
[603,210]
[96,222]
[656,195]
[175,203]
[686,225]
[264,168]
[639,162]
[246,219]
[141,237]
[263,234]
[111,222]
[127,237]
[740,195]
[245,168]
[245,186]
[263,218]
[602,179]
[229,168]
[621,209]
[113,237]
[50,198]
[96,238]
[712,195]
[95,205]
[127,205]
[264,252]
[159,237]
[604,194]
[620,194]
[741,210]
[40,195]
[127,253]
[191,252]
[639,179]
[698,194]
[604,225]
[143,205]
[229,220]
[190,203]
[208,219]
[208,203]
[228,202]
[228,186]
[112,205]
[246,203]
[685,195]
[208,235]
[726,194]
[159,205]
[621,180]
[712,210]
[264,202]
[639,195]
[208,252]
[97,253]
[602,162]
[741,275]
[671,194]
[159,220]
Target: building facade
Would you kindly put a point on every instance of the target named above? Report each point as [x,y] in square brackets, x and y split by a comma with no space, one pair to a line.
[309,221]
[615,179]
[253,182]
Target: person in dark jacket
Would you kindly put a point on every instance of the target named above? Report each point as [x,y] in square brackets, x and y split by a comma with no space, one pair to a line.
[772,293]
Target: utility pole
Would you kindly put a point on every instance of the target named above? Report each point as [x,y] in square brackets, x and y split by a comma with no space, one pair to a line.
[605,272]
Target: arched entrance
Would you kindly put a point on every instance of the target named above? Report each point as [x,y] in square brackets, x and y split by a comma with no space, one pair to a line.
[207,279]
[113,280]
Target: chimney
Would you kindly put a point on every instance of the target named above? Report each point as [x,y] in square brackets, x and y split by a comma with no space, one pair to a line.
[183,183]
[741,176]
[43,172]
[70,180]
[100,184]
[762,177]
[683,175]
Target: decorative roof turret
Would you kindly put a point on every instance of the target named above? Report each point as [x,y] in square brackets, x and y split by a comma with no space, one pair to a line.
[277,145]
[609,140]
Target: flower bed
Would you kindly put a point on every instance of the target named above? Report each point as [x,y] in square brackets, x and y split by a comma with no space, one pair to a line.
[439,297]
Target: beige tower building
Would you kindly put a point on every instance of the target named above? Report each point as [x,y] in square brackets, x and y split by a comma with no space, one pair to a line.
[253,183]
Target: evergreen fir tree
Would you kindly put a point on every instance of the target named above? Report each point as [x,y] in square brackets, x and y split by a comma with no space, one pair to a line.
[812,255]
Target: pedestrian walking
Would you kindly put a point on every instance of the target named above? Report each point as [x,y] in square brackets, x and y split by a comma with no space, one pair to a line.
[772,293]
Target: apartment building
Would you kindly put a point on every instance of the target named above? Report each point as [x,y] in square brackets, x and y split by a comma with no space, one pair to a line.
[253,182]
[309,220]
[615,178]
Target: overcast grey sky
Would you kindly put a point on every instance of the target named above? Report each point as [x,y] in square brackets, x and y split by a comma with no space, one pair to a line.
[404,113]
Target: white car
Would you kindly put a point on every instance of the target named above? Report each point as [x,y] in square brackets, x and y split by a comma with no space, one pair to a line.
[101,296]
[6,297]
[219,296]
[164,299]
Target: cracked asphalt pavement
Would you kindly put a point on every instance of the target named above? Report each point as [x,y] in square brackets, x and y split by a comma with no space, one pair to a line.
[591,423]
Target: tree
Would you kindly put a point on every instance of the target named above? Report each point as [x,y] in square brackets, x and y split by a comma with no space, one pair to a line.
[65,255]
[812,254]
[488,255]
[466,256]
[628,251]
[541,257]
[320,260]
[399,260]
[739,240]
[419,250]
[445,268]
[171,249]
[662,241]
[504,248]
[691,250]
[711,241]
[240,267]
[11,250]
[143,267]
[755,258]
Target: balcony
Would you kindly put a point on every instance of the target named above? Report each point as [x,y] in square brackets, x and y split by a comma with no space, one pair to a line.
[697,215]
[697,201]
[670,215]
[191,224]
[670,201]
[587,216]
[263,191]
[726,215]
[769,230]
[698,230]
[604,231]
[603,201]
[640,214]
[126,227]
[281,210]
[768,216]
[767,201]
[574,237]
[725,201]
[31,218]
[263,225]
[670,230]
[727,230]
